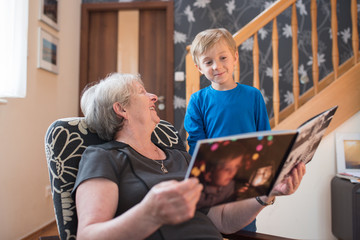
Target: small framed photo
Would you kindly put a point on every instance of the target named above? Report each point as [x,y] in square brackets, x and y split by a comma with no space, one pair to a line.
[49,13]
[48,51]
[348,153]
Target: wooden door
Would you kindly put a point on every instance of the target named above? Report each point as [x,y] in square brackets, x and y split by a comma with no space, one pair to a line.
[99,47]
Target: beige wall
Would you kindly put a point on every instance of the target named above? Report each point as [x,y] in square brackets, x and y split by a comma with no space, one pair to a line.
[23,122]
[307,213]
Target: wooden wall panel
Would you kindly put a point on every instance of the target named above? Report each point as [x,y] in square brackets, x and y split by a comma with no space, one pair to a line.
[102,44]
[152,53]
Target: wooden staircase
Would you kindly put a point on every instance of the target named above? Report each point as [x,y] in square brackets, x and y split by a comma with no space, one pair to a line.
[344,92]
[341,87]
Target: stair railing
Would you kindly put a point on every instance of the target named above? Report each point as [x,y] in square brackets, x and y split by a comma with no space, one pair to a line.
[251,30]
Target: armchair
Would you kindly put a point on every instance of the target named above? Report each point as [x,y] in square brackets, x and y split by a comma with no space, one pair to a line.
[65,141]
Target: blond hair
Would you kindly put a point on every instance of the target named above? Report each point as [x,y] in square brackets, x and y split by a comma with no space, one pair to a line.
[208,38]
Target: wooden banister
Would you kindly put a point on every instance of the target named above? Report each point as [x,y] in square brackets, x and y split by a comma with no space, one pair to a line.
[276,94]
[256,53]
[237,71]
[192,77]
[251,29]
[334,32]
[355,35]
[314,44]
[261,20]
[295,57]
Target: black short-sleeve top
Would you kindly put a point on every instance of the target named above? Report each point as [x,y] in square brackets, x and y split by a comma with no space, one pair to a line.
[135,175]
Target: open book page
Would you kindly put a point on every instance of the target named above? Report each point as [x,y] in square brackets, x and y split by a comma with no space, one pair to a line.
[309,137]
[239,167]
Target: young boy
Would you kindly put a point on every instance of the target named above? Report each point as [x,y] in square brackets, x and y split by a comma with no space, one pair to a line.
[226,107]
[217,175]
[219,184]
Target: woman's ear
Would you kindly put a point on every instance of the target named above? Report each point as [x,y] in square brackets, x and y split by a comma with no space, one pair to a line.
[119,110]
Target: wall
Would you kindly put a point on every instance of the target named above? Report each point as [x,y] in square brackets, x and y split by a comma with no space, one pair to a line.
[307,213]
[23,122]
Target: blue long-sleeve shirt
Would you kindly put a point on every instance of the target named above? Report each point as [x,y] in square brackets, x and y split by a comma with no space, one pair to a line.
[212,113]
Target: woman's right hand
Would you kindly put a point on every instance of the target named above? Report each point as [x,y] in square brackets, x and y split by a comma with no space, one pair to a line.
[173,202]
[169,202]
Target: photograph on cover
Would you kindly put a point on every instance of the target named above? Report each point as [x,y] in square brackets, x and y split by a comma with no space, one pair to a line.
[232,170]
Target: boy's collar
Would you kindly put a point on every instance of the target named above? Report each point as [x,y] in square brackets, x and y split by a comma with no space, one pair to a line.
[235,86]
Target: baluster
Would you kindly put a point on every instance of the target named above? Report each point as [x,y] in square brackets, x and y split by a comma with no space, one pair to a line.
[295,57]
[256,62]
[275,47]
[334,30]
[192,77]
[355,36]
[237,70]
[314,44]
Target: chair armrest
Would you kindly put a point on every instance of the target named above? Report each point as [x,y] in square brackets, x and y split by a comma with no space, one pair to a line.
[245,235]
[50,238]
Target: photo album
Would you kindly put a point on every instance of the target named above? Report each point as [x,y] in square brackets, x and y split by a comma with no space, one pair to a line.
[247,165]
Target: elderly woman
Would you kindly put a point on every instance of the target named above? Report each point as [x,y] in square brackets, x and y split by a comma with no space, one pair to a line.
[130,188]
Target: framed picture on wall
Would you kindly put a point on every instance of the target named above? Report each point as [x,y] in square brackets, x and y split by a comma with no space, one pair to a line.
[49,12]
[48,51]
[348,153]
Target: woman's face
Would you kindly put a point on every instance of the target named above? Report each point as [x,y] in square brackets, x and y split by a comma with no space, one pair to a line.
[142,106]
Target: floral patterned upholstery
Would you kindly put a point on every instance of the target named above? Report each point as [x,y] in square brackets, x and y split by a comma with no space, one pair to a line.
[65,141]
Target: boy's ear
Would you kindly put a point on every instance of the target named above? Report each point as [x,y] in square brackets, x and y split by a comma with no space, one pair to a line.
[236,56]
[198,68]
[119,110]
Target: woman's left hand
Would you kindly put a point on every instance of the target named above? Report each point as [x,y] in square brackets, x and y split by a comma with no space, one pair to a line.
[291,183]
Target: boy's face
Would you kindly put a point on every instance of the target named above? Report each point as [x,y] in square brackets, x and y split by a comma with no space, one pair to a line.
[217,64]
[225,172]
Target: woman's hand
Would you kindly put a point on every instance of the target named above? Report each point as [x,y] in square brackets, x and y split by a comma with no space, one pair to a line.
[173,202]
[291,183]
[169,202]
